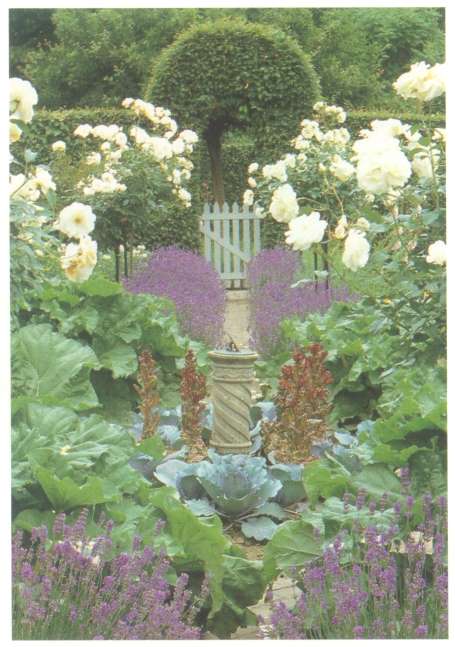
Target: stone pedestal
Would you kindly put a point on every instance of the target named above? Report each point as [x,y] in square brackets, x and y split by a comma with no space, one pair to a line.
[233,377]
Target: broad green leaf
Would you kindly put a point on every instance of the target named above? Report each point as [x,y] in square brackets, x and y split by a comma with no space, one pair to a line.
[64,494]
[120,358]
[376,480]
[52,369]
[293,545]
[321,479]
[101,287]
[259,528]
[203,542]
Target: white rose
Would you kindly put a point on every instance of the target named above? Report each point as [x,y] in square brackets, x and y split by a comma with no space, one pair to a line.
[83,130]
[362,223]
[305,231]
[356,250]
[277,171]
[341,228]
[425,163]
[22,98]
[310,129]
[160,148]
[79,260]
[439,134]
[59,146]
[341,169]
[259,211]
[14,133]
[381,164]
[253,168]
[390,127]
[76,220]
[289,160]
[248,198]
[284,206]
[178,146]
[189,136]
[252,182]
[184,195]
[126,103]
[43,180]
[422,82]
[437,253]
[93,158]
[120,140]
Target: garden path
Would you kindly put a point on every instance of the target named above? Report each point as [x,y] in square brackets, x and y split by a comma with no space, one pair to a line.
[237,316]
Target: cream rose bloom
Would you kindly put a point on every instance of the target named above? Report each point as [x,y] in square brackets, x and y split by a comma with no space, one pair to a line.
[59,146]
[341,228]
[381,165]
[83,130]
[14,133]
[43,180]
[437,253]
[189,136]
[422,82]
[304,231]
[79,260]
[284,206]
[253,168]
[22,98]
[248,198]
[160,148]
[76,220]
[425,162]
[341,169]
[356,250]
[277,171]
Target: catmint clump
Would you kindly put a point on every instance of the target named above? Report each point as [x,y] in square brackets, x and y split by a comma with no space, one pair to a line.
[72,589]
[188,280]
[272,299]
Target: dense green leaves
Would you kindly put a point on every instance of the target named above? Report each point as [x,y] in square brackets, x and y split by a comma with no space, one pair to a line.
[49,368]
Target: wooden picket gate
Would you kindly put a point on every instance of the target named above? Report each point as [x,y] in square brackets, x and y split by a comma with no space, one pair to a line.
[232,236]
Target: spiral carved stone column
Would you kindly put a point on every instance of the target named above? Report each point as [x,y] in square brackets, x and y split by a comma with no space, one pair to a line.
[233,377]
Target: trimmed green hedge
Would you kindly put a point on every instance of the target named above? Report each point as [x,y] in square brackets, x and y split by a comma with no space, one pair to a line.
[239,150]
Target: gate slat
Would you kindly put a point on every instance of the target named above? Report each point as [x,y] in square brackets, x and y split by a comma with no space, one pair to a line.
[226,231]
[206,230]
[246,244]
[236,243]
[256,236]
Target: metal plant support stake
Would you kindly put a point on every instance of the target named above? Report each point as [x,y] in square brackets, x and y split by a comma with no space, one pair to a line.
[233,377]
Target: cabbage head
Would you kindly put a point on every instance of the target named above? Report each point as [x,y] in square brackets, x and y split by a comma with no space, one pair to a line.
[236,483]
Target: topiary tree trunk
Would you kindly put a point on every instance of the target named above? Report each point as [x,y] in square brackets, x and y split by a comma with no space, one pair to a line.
[213,138]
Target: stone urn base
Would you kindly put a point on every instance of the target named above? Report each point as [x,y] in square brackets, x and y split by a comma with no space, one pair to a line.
[233,379]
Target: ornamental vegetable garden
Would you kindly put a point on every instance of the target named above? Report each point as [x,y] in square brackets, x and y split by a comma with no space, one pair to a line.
[137,513]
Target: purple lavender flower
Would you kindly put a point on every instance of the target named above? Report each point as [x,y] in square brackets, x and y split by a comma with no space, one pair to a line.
[188,280]
[272,299]
[65,591]
[363,596]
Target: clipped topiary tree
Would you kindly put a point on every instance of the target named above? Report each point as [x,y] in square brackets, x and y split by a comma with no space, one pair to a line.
[232,74]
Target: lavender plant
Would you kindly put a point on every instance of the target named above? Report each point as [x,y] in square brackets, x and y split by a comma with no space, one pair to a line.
[270,276]
[192,284]
[368,584]
[71,589]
